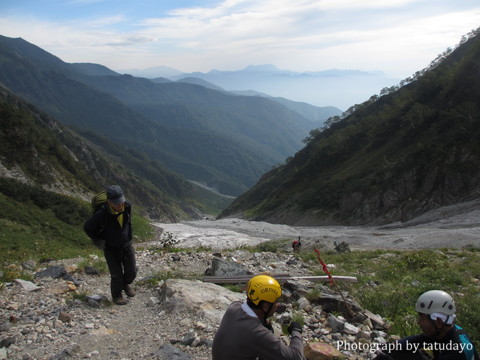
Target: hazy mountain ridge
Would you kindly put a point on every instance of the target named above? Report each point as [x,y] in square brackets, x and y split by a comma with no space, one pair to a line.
[316,114]
[139,113]
[394,157]
[334,87]
[93,69]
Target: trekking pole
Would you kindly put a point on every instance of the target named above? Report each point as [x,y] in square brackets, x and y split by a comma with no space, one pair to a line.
[333,282]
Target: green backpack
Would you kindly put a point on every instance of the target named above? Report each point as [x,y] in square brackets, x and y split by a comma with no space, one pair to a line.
[98,200]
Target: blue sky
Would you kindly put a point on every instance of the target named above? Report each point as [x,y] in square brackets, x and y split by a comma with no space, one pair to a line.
[397,37]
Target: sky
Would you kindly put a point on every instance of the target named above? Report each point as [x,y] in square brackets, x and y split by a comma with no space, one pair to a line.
[396,37]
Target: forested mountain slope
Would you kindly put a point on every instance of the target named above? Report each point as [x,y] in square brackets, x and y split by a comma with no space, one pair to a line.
[46,156]
[394,157]
[222,140]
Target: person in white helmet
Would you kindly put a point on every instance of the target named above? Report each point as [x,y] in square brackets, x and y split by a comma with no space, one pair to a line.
[441,337]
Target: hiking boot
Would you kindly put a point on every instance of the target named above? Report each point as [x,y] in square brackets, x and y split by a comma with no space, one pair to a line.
[129,291]
[120,300]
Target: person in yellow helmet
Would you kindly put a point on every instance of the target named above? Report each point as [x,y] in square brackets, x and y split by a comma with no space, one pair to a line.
[245,332]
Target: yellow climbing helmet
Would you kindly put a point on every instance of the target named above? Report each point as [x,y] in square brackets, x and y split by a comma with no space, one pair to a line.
[263,287]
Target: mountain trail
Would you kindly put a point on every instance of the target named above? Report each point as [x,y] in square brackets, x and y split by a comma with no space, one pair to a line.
[54,321]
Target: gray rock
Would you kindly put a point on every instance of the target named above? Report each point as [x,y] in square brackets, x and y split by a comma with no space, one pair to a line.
[304,304]
[27,285]
[55,272]
[334,323]
[170,352]
[206,342]
[364,335]
[5,343]
[153,300]
[350,329]
[29,265]
[5,326]
[343,247]
[222,267]
[66,353]
[90,270]
[94,304]
[337,337]
[188,339]
[96,301]
[334,302]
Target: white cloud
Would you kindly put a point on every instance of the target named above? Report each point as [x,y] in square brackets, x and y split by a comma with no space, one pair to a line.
[102,21]
[300,35]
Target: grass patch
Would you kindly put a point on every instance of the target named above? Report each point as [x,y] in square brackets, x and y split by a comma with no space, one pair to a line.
[14,271]
[389,282]
[38,234]
[43,226]
[142,228]
[97,262]
[153,280]
[176,250]
[272,246]
[298,317]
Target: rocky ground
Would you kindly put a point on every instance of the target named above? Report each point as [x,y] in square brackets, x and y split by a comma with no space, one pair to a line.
[53,322]
[174,315]
[52,318]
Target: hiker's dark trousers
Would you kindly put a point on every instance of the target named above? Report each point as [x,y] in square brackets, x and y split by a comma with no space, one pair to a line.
[122,266]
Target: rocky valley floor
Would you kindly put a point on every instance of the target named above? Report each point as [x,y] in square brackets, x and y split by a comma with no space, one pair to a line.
[175,315]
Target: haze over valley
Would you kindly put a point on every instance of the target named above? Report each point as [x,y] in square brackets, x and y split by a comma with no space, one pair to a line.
[338,88]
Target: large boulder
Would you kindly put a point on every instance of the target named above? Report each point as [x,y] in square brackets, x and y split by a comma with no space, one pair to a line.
[194,296]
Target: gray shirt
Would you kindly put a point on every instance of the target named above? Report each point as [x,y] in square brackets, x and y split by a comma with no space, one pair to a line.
[242,336]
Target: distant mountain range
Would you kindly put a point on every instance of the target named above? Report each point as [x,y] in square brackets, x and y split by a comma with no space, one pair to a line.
[221,140]
[74,128]
[314,113]
[392,158]
[339,88]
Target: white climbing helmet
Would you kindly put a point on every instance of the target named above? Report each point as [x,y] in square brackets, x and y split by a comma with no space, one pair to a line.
[435,301]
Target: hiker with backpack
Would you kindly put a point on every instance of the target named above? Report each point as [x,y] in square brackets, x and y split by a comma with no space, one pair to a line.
[441,337]
[110,229]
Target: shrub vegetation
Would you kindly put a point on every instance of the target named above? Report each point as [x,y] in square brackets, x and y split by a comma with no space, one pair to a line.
[41,225]
[389,282]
